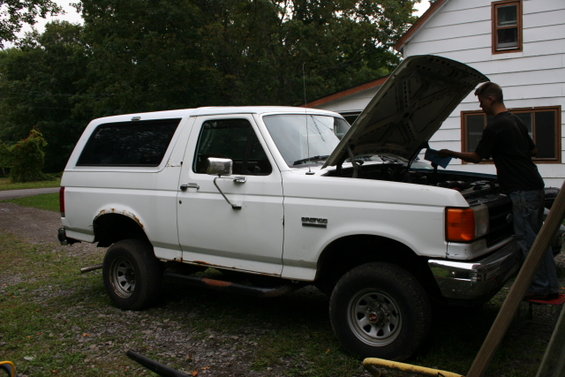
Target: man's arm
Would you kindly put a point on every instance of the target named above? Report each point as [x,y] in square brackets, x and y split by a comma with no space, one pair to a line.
[465,156]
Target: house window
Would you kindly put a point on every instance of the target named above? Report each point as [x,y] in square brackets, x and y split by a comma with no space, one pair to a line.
[543,123]
[506,26]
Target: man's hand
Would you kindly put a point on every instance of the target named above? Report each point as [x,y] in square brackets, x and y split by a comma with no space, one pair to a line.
[465,156]
[445,153]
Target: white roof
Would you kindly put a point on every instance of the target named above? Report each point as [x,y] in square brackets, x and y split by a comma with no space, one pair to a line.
[212,110]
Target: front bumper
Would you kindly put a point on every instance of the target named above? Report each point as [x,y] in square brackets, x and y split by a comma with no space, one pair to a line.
[479,279]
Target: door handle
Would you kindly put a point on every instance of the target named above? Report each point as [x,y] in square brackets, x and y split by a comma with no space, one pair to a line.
[186,186]
[239,180]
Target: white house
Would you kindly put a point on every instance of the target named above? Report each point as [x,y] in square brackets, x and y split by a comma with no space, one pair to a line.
[519,44]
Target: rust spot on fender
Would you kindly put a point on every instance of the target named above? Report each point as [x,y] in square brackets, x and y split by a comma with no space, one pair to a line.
[203,263]
[221,267]
[128,214]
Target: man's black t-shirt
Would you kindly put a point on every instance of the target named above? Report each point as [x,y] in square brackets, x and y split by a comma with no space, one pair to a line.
[506,140]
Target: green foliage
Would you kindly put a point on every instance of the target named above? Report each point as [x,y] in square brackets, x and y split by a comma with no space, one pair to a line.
[15,13]
[39,87]
[28,157]
[145,55]
[167,54]
[5,160]
[55,321]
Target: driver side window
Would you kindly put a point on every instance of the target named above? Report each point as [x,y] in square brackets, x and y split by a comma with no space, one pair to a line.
[234,139]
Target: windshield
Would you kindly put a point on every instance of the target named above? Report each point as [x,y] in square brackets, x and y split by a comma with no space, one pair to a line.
[305,139]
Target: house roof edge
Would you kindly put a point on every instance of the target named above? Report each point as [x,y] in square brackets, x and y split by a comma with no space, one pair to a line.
[434,7]
[347,92]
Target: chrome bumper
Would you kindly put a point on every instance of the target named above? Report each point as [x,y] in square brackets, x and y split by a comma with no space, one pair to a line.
[478,279]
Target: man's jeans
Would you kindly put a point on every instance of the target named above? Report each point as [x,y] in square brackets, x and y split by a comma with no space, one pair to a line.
[527,212]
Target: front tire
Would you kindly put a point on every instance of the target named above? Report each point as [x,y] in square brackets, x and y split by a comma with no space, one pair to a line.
[380,310]
[132,274]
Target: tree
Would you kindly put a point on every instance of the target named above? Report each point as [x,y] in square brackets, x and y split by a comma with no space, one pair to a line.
[27,158]
[144,55]
[150,55]
[15,13]
[41,83]
[339,43]
[5,160]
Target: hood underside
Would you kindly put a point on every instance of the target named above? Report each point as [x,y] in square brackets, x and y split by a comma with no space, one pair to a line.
[408,109]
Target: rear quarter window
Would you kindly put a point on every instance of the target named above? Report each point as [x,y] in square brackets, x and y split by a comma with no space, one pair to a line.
[136,143]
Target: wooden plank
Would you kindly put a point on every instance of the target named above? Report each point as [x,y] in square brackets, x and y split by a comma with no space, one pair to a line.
[553,362]
[519,288]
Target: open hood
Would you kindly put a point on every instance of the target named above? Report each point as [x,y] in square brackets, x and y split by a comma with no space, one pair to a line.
[408,109]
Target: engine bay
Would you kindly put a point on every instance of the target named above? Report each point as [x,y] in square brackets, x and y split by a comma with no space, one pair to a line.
[475,187]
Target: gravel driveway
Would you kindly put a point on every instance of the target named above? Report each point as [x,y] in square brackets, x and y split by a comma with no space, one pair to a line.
[165,332]
[12,194]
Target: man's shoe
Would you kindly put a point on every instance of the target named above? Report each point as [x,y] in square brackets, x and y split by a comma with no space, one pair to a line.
[540,296]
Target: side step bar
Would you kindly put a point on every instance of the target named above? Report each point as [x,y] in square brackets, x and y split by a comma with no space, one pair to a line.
[229,286]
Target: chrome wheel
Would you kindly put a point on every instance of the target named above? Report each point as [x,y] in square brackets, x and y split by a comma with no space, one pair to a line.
[122,277]
[380,310]
[132,274]
[374,317]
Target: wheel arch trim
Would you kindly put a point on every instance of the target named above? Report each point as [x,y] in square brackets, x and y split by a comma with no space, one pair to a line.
[106,235]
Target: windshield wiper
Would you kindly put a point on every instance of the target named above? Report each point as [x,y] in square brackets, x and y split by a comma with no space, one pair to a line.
[309,159]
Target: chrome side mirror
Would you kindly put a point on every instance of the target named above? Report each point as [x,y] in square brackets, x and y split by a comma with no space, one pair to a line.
[219,166]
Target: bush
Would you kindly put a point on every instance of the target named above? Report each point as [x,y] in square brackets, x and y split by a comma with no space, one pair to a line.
[28,157]
[5,159]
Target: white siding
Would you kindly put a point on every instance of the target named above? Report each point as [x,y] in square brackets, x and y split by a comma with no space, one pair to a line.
[534,77]
[352,103]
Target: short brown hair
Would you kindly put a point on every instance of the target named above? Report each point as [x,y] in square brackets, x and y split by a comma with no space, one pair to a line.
[490,89]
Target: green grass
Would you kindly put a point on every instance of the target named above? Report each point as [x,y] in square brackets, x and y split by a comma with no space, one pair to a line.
[48,202]
[32,334]
[6,184]
[43,201]
[66,334]
[54,322]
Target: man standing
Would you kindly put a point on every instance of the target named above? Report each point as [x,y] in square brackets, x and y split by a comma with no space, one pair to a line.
[506,140]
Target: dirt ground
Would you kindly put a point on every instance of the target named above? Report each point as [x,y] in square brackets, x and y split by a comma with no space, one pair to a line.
[40,227]
[217,354]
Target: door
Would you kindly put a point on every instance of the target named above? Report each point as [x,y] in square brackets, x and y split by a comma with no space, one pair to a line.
[211,230]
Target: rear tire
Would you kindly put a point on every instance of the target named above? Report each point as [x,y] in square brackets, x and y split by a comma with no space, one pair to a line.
[132,274]
[380,310]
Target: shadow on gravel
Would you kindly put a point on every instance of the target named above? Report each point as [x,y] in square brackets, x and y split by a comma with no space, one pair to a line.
[306,305]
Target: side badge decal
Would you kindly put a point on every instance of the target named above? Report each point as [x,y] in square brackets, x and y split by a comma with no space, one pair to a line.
[315,221]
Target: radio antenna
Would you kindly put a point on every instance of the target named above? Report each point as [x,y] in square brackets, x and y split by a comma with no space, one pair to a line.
[304,82]
[306,117]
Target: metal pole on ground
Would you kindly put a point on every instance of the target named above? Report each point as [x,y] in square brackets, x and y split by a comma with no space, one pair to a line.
[553,362]
[519,288]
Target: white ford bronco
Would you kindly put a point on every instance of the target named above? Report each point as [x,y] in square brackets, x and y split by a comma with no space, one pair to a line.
[289,196]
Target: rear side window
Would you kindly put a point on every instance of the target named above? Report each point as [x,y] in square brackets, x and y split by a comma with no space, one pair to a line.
[137,143]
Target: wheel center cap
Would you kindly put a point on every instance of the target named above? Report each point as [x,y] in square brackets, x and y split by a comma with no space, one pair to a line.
[373,317]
